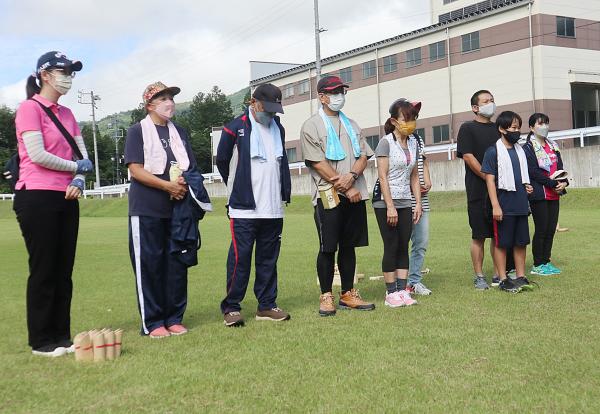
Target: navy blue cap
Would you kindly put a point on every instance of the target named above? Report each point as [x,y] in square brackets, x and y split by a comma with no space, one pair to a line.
[54,60]
[270,96]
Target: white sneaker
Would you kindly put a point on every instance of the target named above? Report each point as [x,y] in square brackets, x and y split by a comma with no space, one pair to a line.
[51,351]
[420,289]
[68,350]
[405,296]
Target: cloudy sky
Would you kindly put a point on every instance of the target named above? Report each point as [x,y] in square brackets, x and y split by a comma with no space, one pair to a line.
[125,45]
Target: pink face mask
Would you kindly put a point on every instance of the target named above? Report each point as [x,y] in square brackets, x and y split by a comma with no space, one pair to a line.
[165,109]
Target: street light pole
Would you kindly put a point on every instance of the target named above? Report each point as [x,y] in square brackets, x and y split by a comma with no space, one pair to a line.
[117,135]
[92,102]
[318,31]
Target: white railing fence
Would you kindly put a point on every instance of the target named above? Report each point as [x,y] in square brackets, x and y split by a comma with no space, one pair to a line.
[120,190]
[580,134]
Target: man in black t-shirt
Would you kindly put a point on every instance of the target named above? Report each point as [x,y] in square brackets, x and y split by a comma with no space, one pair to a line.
[474,138]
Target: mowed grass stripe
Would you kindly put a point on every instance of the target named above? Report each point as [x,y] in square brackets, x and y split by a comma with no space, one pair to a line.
[459,350]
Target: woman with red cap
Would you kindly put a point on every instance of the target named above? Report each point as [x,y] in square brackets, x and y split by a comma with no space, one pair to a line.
[51,168]
[397,154]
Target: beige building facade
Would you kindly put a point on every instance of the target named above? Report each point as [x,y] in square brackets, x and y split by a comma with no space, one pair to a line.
[541,56]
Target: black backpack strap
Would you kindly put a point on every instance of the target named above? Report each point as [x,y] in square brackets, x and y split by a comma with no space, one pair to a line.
[62,129]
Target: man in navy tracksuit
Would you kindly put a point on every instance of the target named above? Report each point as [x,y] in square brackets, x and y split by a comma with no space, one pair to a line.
[252,160]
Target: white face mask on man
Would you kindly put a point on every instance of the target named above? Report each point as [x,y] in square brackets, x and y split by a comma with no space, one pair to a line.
[336,102]
[487,110]
[61,83]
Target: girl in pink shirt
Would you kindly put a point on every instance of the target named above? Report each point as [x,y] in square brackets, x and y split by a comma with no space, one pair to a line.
[543,160]
[50,182]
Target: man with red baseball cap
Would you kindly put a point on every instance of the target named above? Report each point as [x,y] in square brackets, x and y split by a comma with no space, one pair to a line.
[336,154]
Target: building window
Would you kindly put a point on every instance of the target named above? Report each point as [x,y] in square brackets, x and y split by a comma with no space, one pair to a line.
[420,132]
[390,64]
[437,51]
[585,99]
[303,87]
[449,1]
[372,140]
[565,26]
[288,91]
[441,133]
[413,57]
[369,69]
[291,154]
[346,75]
[470,42]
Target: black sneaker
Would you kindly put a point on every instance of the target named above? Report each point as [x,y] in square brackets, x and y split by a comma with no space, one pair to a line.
[51,351]
[507,285]
[523,283]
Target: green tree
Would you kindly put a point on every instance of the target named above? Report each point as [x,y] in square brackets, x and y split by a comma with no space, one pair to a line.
[8,140]
[207,110]
[138,114]
[106,156]
[247,98]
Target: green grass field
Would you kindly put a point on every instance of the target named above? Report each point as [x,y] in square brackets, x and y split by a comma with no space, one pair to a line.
[459,350]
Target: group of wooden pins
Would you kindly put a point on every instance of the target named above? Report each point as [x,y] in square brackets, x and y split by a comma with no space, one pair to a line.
[94,345]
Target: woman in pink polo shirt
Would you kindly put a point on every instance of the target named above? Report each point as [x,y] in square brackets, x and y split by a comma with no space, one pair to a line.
[50,182]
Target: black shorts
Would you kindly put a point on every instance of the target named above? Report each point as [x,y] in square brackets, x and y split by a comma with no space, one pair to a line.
[512,231]
[480,219]
[345,225]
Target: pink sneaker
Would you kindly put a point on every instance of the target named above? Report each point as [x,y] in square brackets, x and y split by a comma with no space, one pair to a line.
[177,329]
[393,300]
[159,333]
[405,297]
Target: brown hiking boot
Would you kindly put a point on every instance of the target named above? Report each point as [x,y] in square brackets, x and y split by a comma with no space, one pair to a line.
[233,319]
[274,314]
[327,305]
[352,300]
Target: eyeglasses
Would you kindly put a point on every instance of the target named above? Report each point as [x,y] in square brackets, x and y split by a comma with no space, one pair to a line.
[65,72]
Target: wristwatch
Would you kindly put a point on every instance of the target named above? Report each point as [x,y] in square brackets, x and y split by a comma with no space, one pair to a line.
[354,175]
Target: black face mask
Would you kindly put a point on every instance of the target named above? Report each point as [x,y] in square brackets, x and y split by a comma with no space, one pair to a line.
[512,137]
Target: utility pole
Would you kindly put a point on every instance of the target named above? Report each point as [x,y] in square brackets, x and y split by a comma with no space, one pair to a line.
[318,31]
[82,99]
[117,135]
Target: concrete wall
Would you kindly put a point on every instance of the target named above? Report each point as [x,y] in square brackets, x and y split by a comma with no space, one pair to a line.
[583,164]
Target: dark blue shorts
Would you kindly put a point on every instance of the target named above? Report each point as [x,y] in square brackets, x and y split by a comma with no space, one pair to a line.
[511,231]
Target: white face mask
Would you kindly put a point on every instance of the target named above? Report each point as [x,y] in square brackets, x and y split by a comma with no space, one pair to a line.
[336,102]
[487,110]
[62,83]
[542,130]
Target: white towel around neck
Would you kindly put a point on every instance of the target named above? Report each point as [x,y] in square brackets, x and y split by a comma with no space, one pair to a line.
[506,176]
